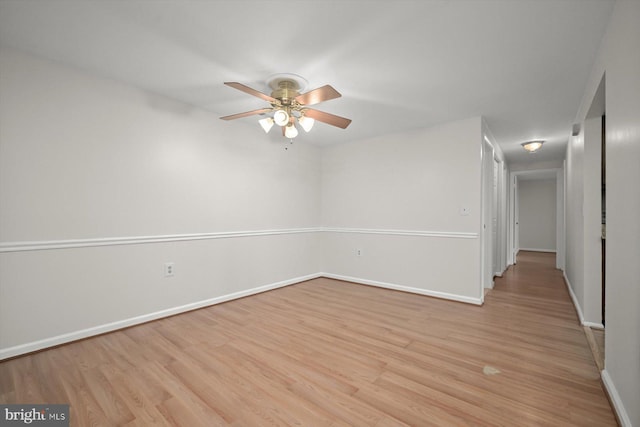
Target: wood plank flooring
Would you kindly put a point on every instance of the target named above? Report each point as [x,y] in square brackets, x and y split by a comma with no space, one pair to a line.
[330,353]
[595,338]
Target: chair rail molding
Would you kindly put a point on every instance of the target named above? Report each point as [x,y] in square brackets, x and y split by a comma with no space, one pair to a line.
[22,246]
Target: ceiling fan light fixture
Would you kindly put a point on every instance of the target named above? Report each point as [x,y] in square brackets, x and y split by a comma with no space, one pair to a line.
[281,117]
[532,146]
[291,131]
[266,123]
[306,123]
[288,105]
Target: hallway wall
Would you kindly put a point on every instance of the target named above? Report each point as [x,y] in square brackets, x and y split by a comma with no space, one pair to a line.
[584,266]
[619,62]
[537,219]
[398,199]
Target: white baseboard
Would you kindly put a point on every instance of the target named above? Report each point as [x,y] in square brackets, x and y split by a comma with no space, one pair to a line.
[436,294]
[120,324]
[592,325]
[574,299]
[537,250]
[618,406]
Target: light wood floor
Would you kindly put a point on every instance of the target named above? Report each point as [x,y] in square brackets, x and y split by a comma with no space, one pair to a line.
[595,338]
[330,353]
[598,335]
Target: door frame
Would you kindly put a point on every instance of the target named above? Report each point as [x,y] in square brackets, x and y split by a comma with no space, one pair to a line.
[514,242]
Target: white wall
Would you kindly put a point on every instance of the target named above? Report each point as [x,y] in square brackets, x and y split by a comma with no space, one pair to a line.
[560,218]
[88,164]
[415,183]
[592,218]
[584,260]
[101,184]
[537,214]
[618,58]
[574,225]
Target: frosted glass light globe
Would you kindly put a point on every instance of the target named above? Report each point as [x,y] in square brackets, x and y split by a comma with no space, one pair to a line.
[281,118]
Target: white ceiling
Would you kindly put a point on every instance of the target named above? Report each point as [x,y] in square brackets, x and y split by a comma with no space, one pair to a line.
[400,65]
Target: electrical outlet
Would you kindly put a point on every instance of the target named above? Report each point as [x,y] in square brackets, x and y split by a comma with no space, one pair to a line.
[169,269]
[359,252]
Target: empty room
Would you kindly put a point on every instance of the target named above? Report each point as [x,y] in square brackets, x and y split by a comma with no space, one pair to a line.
[319,213]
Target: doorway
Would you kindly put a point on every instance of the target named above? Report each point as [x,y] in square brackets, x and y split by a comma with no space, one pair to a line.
[537,218]
[537,212]
[594,211]
[595,217]
[493,260]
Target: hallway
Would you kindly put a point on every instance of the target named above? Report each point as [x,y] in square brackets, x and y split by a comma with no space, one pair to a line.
[537,305]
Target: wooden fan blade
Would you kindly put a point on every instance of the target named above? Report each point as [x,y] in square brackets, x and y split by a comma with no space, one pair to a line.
[245,114]
[324,93]
[250,91]
[327,118]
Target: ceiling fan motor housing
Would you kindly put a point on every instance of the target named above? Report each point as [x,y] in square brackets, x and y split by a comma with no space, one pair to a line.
[286,92]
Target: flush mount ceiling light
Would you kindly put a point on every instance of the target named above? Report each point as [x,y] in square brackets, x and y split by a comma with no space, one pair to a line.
[532,146]
[289,106]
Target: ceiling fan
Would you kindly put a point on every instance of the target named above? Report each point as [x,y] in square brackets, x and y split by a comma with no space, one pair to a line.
[289,106]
